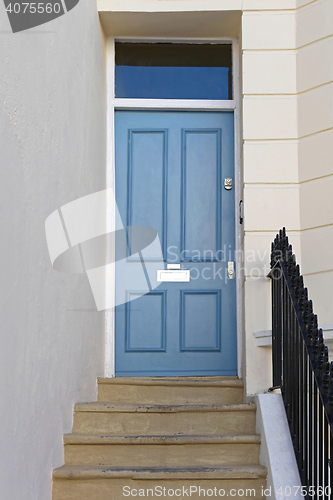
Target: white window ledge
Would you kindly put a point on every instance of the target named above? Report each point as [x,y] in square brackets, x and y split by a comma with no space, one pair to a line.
[264,337]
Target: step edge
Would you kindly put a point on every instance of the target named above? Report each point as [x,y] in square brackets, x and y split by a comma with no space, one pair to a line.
[103,407]
[96,439]
[75,472]
[234,382]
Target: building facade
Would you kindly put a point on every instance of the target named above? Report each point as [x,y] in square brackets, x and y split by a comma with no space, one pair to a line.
[58,145]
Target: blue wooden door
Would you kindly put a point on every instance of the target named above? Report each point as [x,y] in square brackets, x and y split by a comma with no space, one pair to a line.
[170,173]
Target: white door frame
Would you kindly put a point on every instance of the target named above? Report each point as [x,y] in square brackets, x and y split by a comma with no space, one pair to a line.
[169,104]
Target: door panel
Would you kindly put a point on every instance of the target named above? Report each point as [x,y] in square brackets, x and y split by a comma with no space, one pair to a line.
[200,332]
[145,325]
[201,191]
[146,210]
[170,168]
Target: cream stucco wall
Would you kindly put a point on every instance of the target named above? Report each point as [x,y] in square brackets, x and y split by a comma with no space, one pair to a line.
[52,135]
[271,193]
[314,37]
[288,160]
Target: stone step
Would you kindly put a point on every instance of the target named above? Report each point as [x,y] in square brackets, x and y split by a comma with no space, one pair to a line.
[171,390]
[121,419]
[110,483]
[164,451]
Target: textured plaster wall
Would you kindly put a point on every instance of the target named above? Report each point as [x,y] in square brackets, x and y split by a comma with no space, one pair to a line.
[52,136]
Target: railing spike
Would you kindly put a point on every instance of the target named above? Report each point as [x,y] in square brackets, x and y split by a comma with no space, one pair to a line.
[315,349]
[320,363]
[310,305]
[309,337]
[329,407]
[315,320]
[325,379]
[326,353]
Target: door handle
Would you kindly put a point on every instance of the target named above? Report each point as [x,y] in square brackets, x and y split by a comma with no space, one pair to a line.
[231,270]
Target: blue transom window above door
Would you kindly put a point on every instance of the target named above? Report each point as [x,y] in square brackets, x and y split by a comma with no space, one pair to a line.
[173,71]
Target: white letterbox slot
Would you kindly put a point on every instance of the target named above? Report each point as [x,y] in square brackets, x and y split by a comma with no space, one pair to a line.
[174,275]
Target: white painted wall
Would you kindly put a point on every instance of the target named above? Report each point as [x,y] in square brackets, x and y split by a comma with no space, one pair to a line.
[52,123]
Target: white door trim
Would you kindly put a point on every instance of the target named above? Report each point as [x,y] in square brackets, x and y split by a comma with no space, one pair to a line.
[168,104]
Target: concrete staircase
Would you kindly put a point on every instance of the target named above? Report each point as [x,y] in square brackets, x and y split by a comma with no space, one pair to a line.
[176,433]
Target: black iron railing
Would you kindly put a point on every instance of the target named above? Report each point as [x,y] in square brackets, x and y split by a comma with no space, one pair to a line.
[302,370]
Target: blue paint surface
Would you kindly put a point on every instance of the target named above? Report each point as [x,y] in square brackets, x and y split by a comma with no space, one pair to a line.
[170,168]
[157,82]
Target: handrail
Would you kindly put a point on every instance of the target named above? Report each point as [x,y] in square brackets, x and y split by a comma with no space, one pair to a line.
[302,370]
